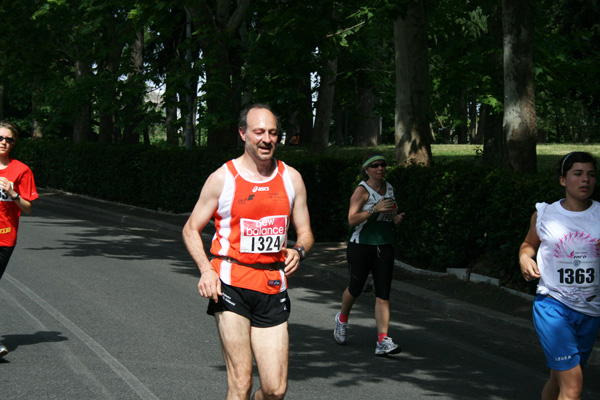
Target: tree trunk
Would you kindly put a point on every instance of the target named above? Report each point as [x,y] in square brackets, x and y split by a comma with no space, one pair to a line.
[171,117]
[320,139]
[490,126]
[190,92]
[305,115]
[412,135]
[36,127]
[134,109]
[473,131]
[105,127]
[221,25]
[107,133]
[1,102]
[483,111]
[366,126]
[520,128]
[494,141]
[82,128]
[172,64]
[115,35]
[221,99]
[341,126]
[461,128]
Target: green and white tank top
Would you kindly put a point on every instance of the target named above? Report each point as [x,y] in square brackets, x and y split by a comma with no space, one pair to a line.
[378,228]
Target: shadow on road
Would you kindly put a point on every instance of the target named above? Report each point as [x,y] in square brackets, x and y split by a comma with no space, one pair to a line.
[105,241]
[441,355]
[13,342]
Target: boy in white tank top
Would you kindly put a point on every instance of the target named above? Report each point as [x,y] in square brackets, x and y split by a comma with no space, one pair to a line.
[561,251]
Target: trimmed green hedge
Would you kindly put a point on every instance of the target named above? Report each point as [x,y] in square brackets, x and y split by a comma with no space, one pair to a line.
[461,215]
[458,214]
[161,179]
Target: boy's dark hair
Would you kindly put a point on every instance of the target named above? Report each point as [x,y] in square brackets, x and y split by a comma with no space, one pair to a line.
[566,163]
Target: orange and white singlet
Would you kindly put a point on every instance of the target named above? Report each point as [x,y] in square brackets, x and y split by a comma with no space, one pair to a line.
[252,220]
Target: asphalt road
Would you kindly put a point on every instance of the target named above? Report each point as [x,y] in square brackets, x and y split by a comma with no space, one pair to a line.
[94,311]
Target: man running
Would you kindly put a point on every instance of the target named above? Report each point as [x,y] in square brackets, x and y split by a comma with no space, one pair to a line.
[253,199]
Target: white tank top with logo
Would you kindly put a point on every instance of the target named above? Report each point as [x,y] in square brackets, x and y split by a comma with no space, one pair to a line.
[568,257]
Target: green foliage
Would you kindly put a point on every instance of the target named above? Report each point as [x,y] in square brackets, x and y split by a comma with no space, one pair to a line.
[60,57]
[567,64]
[464,215]
[167,179]
[329,184]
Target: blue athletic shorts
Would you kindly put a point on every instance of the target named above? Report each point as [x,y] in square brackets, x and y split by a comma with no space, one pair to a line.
[263,310]
[567,336]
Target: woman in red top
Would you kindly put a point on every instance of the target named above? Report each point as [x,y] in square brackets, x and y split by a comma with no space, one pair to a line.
[17,191]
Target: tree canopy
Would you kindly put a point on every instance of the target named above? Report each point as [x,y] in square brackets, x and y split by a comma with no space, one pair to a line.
[133,71]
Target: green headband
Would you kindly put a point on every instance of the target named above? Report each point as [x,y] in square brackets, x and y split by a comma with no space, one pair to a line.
[370,160]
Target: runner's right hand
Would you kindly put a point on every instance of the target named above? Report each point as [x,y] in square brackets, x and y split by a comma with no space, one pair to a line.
[209,285]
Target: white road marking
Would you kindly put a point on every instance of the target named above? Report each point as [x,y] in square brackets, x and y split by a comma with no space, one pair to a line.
[133,382]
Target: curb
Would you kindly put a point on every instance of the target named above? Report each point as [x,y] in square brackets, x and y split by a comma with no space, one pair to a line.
[113,213]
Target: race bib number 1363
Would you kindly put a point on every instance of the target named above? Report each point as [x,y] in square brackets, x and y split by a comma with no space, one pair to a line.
[576,273]
[266,235]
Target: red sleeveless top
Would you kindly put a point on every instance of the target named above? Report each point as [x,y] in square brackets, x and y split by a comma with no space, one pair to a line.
[252,220]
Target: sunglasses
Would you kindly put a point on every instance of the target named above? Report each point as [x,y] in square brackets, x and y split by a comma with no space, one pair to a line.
[377,165]
[9,140]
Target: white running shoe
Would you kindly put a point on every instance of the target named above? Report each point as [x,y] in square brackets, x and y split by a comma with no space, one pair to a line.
[387,346]
[339,333]
[3,351]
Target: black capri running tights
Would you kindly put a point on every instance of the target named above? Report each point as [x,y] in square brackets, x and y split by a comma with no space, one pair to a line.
[5,253]
[365,258]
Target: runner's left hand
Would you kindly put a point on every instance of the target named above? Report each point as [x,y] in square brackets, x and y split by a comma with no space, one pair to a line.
[292,261]
[399,217]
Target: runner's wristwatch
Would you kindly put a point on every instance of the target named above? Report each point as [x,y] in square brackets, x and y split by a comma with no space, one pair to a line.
[301,252]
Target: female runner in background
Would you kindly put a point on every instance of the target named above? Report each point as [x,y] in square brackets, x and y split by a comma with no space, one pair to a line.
[373,214]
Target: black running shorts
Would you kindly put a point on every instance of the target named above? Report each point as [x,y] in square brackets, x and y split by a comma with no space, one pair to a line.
[263,310]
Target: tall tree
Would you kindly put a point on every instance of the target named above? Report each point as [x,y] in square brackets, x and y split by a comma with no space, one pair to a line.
[165,56]
[134,93]
[520,126]
[412,133]
[324,111]
[282,58]
[82,125]
[1,102]
[366,61]
[567,62]
[219,25]
[24,72]
[366,127]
